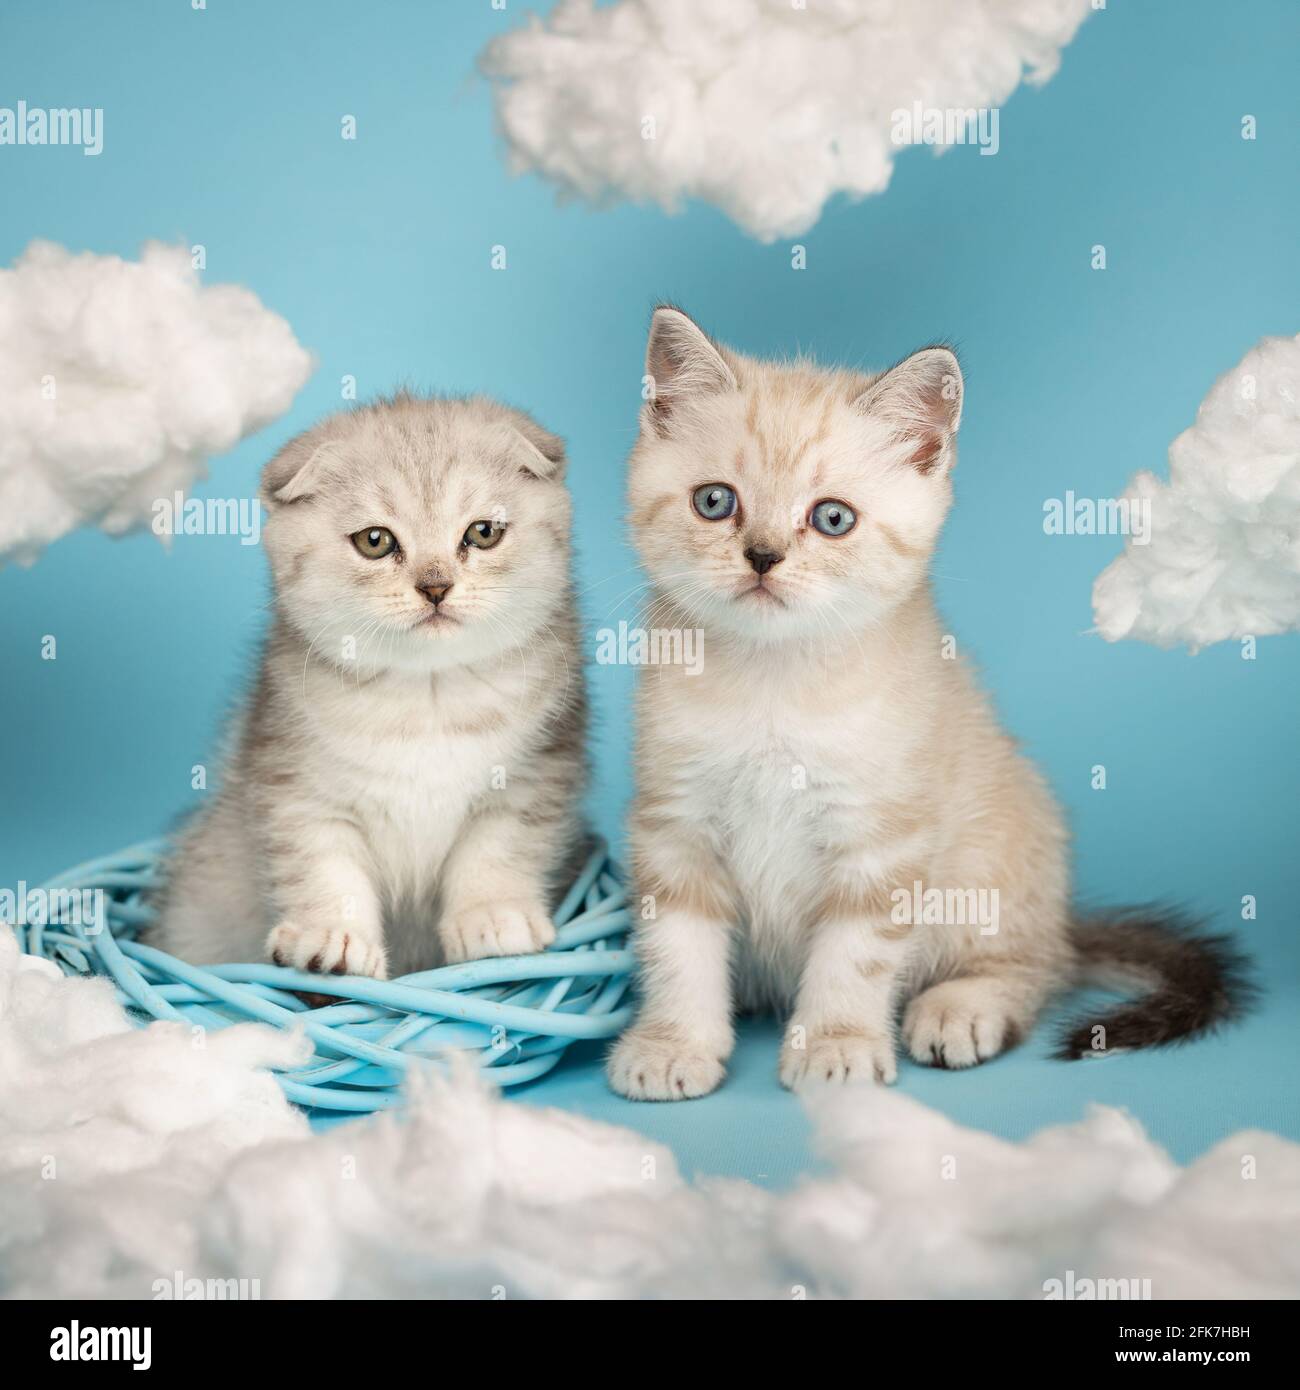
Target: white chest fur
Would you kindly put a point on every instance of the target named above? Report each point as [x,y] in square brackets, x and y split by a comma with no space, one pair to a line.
[795,781]
[408,761]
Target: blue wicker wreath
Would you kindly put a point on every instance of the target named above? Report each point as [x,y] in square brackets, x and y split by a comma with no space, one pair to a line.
[518,1013]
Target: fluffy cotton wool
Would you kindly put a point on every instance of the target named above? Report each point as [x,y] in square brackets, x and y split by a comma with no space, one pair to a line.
[122,379]
[761,107]
[128,1156]
[1223,559]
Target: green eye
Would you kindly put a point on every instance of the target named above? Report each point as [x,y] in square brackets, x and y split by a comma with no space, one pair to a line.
[714,501]
[483,534]
[834,518]
[374,542]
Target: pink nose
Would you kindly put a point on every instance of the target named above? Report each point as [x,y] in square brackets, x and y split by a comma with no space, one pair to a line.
[435,593]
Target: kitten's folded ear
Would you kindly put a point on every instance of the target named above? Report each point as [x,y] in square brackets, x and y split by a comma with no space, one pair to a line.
[681,361]
[294,472]
[539,451]
[921,398]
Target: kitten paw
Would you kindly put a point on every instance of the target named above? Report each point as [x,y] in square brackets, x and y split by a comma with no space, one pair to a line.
[642,1067]
[840,1057]
[957,1024]
[496,929]
[326,950]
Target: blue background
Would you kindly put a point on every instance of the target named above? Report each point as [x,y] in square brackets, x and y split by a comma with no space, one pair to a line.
[222,128]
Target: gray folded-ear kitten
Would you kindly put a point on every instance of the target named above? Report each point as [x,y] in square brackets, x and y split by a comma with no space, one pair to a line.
[404,782]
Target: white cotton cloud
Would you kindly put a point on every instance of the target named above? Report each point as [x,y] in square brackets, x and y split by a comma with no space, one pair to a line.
[1223,558]
[121,378]
[760,107]
[172,1157]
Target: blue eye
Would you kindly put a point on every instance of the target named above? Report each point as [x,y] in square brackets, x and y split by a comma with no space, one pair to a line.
[714,501]
[833,518]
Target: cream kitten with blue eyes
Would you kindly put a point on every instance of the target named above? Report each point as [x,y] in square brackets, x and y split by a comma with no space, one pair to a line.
[800,798]
[404,782]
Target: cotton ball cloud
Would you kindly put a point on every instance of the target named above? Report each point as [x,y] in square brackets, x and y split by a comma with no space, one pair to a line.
[175,1157]
[121,379]
[1223,558]
[760,107]
[113,1137]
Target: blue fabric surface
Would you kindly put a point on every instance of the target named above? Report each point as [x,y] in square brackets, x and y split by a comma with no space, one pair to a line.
[1187,1098]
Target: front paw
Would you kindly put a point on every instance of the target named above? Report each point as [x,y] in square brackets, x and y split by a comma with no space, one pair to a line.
[958,1023]
[650,1067]
[810,1059]
[496,929]
[326,949]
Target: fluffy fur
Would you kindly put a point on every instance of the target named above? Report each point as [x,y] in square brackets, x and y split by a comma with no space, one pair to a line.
[833,754]
[404,781]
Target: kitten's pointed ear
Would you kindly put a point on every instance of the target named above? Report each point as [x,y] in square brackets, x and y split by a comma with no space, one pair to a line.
[922,399]
[681,361]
